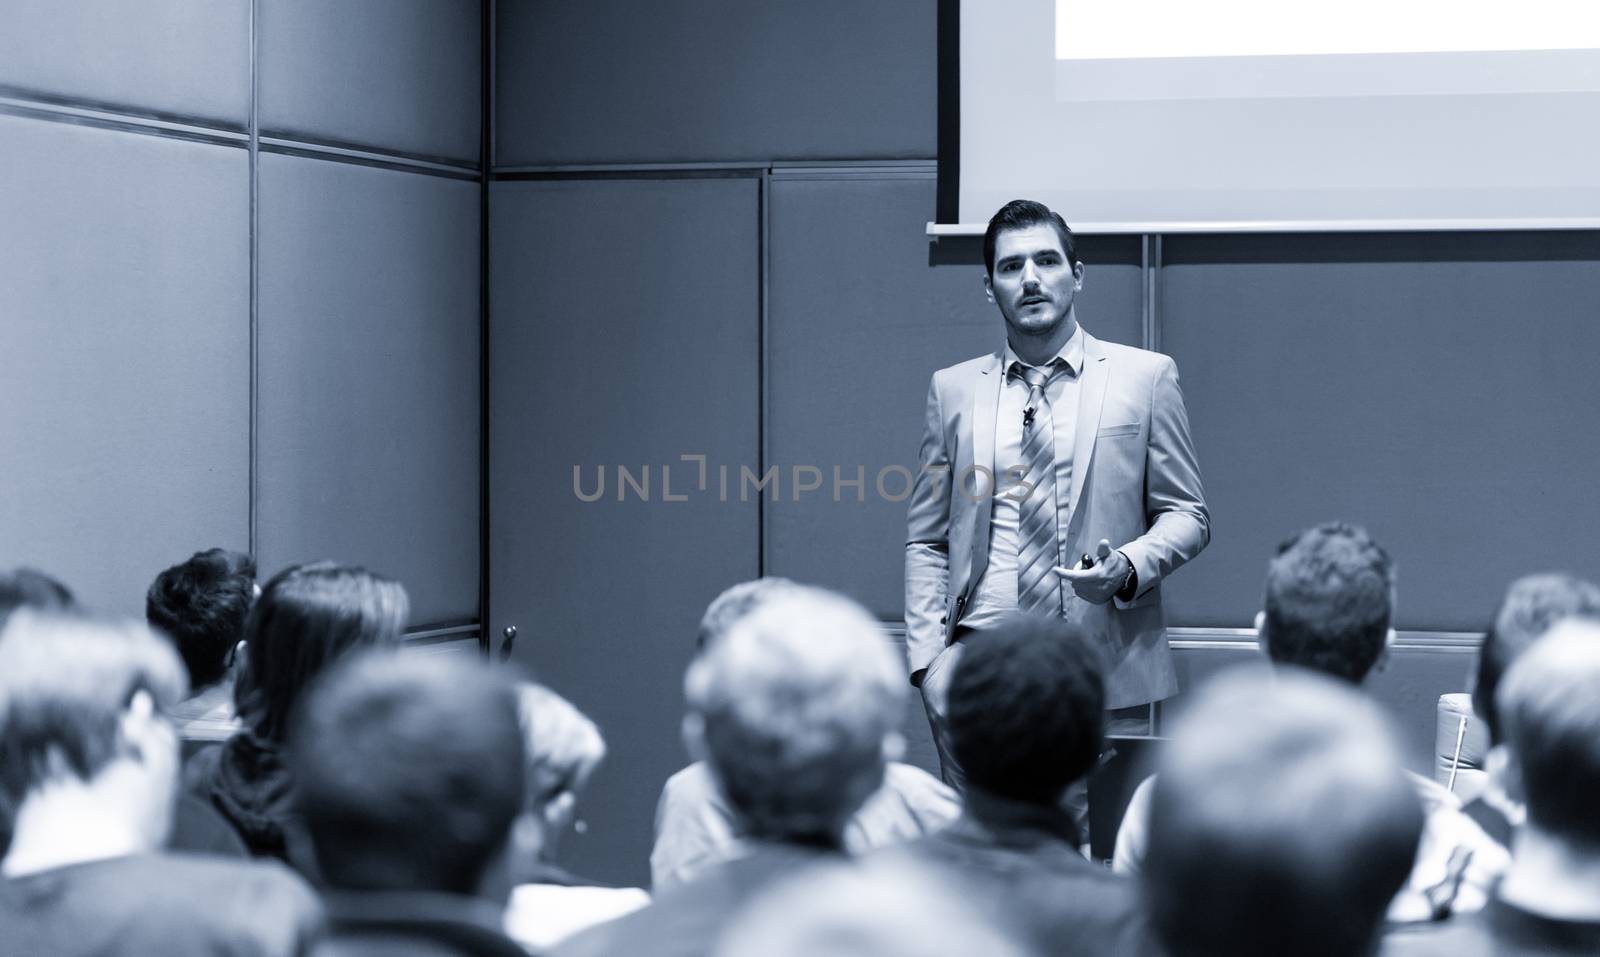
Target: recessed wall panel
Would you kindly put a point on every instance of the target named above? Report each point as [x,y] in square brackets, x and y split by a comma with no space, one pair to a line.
[623,337]
[615,81]
[403,75]
[863,308]
[1436,388]
[124,355]
[368,448]
[155,56]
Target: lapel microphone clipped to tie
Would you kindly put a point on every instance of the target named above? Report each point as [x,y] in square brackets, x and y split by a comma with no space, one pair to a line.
[1027,418]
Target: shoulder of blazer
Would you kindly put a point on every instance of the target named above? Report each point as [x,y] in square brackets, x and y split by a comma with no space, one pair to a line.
[963,372]
[1131,359]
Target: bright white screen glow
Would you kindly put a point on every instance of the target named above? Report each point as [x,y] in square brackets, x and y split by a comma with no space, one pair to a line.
[1184,28]
[1169,115]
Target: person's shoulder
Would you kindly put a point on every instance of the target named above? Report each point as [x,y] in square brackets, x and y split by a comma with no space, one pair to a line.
[223,879]
[1464,936]
[966,368]
[694,779]
[1133,357]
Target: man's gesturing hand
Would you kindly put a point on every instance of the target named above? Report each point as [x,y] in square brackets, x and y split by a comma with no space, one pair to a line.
[1099,582]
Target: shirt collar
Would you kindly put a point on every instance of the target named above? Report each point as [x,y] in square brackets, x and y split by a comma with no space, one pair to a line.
[1071,353]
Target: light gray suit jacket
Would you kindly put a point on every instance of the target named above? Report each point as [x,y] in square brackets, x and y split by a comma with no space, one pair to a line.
[1135,482]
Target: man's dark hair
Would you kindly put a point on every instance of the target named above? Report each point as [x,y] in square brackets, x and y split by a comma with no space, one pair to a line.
[307,617]
[30,588]
[1532,604]
[1026,711]
[201,604]
[1329,598]
[1020,214]
[1281,821]
[408,771]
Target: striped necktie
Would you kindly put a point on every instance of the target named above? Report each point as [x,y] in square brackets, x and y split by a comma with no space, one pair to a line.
[1038,587]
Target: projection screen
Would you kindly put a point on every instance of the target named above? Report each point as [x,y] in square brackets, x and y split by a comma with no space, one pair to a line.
[1237,115]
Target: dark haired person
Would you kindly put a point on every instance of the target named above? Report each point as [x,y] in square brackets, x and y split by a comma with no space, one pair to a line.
[89,761]
[1532,605]
[1026,719]
[1328,608]
[1281,824]
[408,777]
[308,617]
[201,604]
[1548,902]
[29,588]
[1055,446]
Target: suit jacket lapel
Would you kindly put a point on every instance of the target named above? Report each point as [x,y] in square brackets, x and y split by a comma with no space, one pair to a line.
[985,403]
[1091,398]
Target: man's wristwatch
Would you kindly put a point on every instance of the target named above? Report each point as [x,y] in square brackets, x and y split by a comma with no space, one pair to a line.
[1130,585]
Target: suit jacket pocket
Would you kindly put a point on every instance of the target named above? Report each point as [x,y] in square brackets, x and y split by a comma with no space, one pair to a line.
[1112,431]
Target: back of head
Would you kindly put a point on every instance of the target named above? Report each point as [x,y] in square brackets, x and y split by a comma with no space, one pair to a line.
[201,604]
[29,588]
[66,681]
[1329,601]
[1281,822]
[1531,606]
[794,705]
[735,603]
[1026,708]
[1021,214]
[1549,705]
[307,617]
[563,745]
[408,772]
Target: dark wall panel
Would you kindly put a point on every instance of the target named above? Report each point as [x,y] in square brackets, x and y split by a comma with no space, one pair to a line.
[154,56]
[124,354]
[624,332]
[402,75]
[1437,388]
[862,310]
[369,382]
[615,81]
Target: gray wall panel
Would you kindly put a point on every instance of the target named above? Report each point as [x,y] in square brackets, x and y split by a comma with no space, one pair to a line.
[124,354]
[624,332]
[368,445]
[858,321]
[1437,388]
[614,81]
[155,56]
[404,75]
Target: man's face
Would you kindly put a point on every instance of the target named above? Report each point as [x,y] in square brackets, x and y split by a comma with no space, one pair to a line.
[1033,284]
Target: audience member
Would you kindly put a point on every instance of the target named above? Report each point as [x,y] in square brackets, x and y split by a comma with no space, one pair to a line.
[562,749]
[1532,604]
[1280,823]
[1025,720]
[90,762]
[695,826]
[26,588]
[1328,608]
[201,605]
[1548,903]
[307,617]
[794,710]
[408,776]
[881,908]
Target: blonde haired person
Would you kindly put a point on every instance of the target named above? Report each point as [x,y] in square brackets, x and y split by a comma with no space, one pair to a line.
[563,748]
